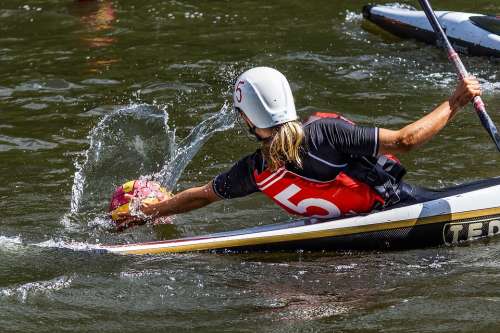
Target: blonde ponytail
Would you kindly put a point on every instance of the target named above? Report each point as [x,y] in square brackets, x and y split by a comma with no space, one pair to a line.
[285,145]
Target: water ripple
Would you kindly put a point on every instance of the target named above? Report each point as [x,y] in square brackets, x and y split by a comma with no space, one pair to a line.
[5,92]
[48,85]
[16,143]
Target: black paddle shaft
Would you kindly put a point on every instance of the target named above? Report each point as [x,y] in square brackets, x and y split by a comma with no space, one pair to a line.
[462,72]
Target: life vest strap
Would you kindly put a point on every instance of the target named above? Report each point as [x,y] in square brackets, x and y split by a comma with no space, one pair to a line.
[383,174]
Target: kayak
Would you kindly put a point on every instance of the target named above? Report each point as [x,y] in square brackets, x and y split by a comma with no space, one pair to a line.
[469,33]
[448,216]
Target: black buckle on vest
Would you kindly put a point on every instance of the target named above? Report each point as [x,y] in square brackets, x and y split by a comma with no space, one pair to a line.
[372,176]
[389,193]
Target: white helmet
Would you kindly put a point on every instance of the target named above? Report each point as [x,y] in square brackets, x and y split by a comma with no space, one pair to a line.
[265,97]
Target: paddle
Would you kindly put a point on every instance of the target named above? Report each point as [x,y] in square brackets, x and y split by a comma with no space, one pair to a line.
[462,72]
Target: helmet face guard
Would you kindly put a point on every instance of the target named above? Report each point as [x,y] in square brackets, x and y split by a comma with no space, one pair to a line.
[264,95]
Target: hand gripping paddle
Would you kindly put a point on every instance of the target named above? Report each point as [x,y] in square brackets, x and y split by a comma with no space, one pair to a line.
[462,72]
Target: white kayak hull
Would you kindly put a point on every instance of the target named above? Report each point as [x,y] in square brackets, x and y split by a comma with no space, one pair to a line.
[451,216]
[469,33]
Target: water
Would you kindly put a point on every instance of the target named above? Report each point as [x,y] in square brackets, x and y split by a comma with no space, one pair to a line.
[133,139]
[96,93]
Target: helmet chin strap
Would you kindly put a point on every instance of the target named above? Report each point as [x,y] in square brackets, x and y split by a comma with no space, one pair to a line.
[252,130]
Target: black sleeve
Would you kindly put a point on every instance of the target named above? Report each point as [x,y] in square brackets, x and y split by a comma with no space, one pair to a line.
[345,137]
[238,181]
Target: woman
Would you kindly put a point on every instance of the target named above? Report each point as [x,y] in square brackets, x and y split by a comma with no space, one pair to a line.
[324,168]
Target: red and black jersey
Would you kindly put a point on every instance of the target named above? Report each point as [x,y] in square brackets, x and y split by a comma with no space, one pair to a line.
[329,146]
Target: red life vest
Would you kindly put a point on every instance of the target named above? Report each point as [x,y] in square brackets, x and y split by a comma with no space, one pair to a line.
[302,196]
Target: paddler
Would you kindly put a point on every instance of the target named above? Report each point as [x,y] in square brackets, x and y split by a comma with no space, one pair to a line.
[326,167]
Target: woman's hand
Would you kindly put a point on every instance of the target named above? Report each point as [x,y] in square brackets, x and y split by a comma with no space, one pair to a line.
[187,200]
[466,90]
[148,206]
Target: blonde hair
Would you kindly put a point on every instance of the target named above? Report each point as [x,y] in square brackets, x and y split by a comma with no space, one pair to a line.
[284,146]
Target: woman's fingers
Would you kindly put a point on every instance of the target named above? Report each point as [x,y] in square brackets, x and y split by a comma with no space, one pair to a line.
[148,208]
[123,215]
[473,87]
[466,90]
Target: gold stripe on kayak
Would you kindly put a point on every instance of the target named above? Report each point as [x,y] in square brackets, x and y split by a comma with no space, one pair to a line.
[229,243]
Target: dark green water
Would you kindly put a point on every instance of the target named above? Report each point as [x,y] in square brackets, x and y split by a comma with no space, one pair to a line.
[65,65]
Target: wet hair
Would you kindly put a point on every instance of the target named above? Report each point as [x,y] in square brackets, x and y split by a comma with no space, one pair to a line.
[284,146]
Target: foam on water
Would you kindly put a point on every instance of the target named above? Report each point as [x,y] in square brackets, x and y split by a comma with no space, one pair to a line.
[351,16]
[16,242]
[489,87]
[69,245]
[449,79]
[10,242]
[23,291]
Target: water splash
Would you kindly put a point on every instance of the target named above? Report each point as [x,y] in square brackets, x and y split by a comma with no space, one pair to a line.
[68,245]
[189,146]
[136,142]
[16,243]
[124,142]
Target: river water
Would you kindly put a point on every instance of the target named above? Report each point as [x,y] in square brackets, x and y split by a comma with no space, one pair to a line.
[95,93]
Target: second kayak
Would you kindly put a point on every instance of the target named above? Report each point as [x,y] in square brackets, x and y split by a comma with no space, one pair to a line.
[469,33]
